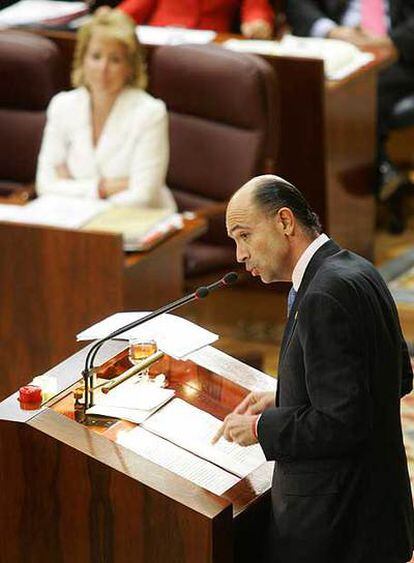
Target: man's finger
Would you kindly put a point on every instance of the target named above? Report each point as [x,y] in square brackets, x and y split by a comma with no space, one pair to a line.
[218,435]
[244,405]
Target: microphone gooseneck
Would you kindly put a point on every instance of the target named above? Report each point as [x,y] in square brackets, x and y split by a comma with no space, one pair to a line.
[200,293]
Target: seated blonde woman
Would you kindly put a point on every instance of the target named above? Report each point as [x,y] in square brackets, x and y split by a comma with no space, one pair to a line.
[107,138]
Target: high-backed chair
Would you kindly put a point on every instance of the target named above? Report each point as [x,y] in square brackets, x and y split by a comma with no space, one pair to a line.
[223,131]
[30,74]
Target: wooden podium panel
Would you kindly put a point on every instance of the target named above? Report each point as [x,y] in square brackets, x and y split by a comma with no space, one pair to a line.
[71,493]
[56,282]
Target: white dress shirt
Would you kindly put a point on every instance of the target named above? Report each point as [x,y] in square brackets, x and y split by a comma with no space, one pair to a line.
[350,18]
[297,276]
[306,257]
[133,143]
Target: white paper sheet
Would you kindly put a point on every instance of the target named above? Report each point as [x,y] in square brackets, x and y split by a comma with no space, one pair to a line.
[53,211]
[193,429]
[39,11]
[177,460]
[133,415]
[140,396]
[151,35]
[174,335]
[340,58]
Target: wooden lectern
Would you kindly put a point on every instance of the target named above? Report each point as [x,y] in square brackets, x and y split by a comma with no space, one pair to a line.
[71,493]
[55,281]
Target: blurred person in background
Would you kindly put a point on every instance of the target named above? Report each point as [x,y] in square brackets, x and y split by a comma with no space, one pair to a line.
[367,24]
[107,138]
[256,16]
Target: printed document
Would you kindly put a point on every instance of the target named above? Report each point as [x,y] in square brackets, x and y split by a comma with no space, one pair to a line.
[193,429]
[174,335]
[133,401]
[28,12]
[53,211]
[154,35]
[177,460]
[340,58]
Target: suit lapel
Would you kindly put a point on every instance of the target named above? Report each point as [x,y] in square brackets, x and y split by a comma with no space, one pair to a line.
[328,249]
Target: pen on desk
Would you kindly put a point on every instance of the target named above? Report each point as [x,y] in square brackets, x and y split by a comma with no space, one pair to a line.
[132,371]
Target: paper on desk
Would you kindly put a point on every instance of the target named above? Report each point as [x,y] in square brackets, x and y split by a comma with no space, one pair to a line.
[151,35]
[39,11]
[177,460]
[140,396]
[133,415]
[53,211]
[193,429]
[174,335]
[340,58]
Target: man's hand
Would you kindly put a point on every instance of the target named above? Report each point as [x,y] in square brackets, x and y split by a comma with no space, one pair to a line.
[238,426]
[359,37]
[349,34]
[257,29]
[256,402]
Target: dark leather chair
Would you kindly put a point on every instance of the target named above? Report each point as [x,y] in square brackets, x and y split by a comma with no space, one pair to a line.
[30,74]
[223,131]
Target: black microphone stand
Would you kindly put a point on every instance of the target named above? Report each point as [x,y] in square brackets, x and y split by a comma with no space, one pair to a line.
[200,293]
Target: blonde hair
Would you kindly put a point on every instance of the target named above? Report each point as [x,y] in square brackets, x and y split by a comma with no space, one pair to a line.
[115,25]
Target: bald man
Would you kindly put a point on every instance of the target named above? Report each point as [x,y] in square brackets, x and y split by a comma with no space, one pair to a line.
[341,491]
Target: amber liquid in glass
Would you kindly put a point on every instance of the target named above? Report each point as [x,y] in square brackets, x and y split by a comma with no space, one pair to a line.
[138,351]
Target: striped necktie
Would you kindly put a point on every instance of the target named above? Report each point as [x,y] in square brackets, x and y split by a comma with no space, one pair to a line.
[373,17]
[291,299]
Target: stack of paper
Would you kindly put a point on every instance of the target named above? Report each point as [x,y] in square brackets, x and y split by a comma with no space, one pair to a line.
[340,58]
[174,335]
[177,460]
[53,211]
[178,437]
[131,401]
[140,228]
[151,35]
[193,429]
[44,12]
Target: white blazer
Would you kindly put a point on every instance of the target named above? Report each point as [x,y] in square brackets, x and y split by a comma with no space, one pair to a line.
[134,143]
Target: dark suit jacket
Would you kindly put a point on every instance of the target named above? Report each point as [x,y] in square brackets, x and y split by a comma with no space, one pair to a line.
[302,14]
[341,490]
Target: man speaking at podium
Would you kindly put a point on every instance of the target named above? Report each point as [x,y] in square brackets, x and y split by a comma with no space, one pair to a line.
[341,491]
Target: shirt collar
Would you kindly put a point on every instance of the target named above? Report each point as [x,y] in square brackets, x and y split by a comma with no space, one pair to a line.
[302,263]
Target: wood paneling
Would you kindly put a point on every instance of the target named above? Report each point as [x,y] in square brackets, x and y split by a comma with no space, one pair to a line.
[73,494]
[55,282]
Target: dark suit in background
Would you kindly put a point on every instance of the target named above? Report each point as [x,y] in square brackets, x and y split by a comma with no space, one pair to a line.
[395,82]
[341,491]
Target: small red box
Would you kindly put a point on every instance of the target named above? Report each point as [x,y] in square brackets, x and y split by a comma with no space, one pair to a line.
[30,394]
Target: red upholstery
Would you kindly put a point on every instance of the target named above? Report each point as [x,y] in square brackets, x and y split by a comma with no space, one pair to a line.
[30,74]
[223,131]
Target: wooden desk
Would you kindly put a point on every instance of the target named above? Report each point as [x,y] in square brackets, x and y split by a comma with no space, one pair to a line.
[73,494]
[328,144]
[56,282]
[327,139]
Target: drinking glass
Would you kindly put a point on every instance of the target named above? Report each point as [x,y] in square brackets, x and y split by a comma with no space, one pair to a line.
[139,349]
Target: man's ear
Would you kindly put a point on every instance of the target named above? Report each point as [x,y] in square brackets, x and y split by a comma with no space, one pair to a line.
[286,220]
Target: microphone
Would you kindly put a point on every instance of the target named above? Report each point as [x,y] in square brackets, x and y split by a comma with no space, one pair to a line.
[200,293]
[228,279]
